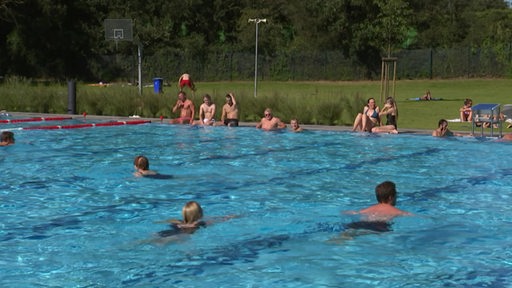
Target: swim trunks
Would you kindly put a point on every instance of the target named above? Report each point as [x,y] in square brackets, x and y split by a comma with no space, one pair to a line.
[232,122]
[182,119]
[377,226]
[184,82]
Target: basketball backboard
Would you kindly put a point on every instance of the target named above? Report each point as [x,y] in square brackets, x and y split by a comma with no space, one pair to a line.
[118,29]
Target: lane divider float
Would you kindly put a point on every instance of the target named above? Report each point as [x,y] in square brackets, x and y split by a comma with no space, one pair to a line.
[34,119]
[88,125]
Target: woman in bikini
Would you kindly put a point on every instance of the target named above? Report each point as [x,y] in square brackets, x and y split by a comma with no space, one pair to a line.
[368,119]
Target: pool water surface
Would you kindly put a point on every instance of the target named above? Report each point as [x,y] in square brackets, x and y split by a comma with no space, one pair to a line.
[73,214]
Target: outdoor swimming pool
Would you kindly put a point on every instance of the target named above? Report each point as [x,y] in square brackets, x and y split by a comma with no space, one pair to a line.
[73,215]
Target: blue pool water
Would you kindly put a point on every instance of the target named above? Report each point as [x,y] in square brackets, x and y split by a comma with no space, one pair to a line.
[73,215]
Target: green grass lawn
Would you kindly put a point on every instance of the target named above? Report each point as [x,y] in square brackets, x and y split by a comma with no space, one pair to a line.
[331,103]
[412,114]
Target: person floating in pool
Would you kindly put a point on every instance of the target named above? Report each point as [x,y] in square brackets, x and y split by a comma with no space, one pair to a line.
[294,126]
[269,122]
[141,164]
[186,80]
[7,138]
[207,111]
[192,214]
[229,116]
[186,108]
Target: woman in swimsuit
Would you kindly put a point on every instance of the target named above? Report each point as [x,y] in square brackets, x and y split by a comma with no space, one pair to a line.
[466,114]
[391,112]
[368,119]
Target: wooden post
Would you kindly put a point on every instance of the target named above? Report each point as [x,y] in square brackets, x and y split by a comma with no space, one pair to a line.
[385,75]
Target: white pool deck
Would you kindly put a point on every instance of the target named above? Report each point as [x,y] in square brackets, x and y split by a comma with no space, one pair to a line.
[242,124]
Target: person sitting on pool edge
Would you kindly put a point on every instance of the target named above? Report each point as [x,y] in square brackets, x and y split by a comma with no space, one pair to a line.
[7,138]
[390,110]
[186,108]
[207,111]
[229,116]
[368,119]
[269,122]
[141,164]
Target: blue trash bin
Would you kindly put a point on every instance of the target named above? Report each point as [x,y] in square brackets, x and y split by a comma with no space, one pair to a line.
[158,85]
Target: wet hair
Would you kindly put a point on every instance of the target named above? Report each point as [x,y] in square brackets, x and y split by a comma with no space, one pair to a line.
[386,192]
[141,162]
[230,96]
[7,136]
[207,96]
[441,122]
[192,212]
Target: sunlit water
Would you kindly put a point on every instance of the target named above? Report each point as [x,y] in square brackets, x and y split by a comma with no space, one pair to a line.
[73,215]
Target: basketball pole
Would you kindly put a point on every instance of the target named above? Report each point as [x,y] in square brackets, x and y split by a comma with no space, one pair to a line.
[139,60]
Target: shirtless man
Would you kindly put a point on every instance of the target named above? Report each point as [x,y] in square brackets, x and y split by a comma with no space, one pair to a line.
[376,218]
[207,111]
[269,122]
[384,210]
[187,110]
[229,116]
[185,80]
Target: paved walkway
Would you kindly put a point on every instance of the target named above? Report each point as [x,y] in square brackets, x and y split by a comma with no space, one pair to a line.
[243,124]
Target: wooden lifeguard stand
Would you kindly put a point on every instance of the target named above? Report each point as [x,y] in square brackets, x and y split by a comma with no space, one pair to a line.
[388,67]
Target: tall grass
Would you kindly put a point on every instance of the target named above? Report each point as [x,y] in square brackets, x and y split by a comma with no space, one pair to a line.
[324,103]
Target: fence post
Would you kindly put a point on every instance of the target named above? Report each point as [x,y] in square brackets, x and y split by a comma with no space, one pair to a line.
[431,63]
